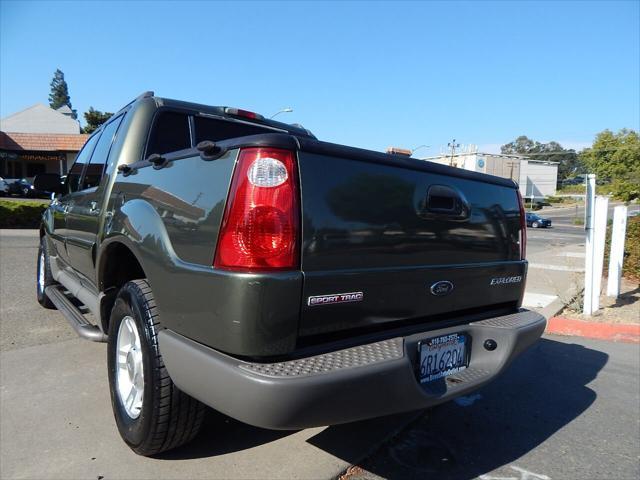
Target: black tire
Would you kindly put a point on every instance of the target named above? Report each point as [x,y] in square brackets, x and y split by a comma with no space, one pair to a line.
[168,417]
[42,263]
[535,225]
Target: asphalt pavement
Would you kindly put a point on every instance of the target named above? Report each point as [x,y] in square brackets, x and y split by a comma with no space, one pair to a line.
[56,420]
[565,402]
[568,408]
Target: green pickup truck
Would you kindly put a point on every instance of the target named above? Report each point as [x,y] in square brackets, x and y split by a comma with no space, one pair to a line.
[237,262]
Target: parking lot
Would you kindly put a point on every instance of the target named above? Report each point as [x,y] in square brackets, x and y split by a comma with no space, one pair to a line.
[568,408]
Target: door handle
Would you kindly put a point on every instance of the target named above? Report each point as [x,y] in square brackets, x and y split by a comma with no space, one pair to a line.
[93,207]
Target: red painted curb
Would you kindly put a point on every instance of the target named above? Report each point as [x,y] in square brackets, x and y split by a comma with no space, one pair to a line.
[617,332]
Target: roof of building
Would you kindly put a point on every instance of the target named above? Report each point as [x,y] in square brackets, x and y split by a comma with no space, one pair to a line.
[64,110]
[42,142]
[40,119]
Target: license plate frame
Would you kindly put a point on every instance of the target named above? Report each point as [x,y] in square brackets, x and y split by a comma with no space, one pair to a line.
[433,347]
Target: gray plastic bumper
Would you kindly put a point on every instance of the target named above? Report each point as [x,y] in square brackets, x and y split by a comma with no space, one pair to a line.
[345,385]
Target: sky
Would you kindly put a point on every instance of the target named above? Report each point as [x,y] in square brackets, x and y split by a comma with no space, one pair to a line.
[367,74]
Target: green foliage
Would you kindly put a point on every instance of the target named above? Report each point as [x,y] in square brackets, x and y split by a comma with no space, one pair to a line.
[569,161]
[616,157]
[631,262]
[59,95]
[22,214]
[94,119]
[552,199]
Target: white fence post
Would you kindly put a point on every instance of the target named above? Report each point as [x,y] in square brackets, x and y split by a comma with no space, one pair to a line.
[589,205]
[616,257]
[599,237]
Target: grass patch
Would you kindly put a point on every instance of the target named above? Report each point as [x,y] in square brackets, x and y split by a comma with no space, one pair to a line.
[21,214]
[578,221]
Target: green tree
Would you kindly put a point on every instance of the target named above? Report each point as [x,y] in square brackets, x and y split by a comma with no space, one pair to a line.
[59,95]
[615,157]
[94,119]
[569,161]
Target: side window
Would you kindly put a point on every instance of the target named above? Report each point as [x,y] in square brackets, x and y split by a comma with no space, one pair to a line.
[169,133]
[95,168]
[75,173]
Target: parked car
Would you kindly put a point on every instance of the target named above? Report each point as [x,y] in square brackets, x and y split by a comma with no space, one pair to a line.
[24,188]
[536,221]
[4,188]
[21,187]
[238,262]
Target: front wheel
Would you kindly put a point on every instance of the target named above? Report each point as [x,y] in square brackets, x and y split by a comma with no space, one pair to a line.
[535,224]
[152,415]
[44,278]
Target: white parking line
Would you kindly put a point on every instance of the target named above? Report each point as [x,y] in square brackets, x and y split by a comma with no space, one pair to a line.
[537,300]
[572,254]
[561,268]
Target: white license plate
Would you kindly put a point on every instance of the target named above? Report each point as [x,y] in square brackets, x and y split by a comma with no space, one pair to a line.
[442,356]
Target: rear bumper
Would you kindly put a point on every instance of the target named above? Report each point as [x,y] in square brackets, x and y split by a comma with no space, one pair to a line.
[342,386]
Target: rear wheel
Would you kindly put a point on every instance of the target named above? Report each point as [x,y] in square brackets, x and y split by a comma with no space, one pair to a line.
[44,278]
[152,415]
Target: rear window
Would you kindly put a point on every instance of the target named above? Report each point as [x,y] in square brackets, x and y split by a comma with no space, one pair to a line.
[170,132]
[217,130]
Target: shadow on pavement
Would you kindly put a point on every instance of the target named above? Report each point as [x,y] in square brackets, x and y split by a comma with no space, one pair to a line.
[540,393]
[221,435]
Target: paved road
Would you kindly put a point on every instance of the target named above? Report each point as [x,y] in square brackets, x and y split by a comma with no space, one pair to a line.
[56,420]
[568,408]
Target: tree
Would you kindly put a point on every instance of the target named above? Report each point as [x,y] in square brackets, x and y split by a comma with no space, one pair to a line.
[59,95]
[94,119]
[569,161]
[615,157]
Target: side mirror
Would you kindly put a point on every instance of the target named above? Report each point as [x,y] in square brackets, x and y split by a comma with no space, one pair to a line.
[48,182]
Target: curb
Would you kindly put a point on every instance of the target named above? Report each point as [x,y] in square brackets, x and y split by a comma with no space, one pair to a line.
[621,332]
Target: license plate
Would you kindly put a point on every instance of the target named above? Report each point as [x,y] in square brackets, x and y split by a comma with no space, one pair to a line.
[442,356]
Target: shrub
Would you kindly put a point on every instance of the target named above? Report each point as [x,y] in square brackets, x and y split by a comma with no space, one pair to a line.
[631,263]
[552,199]
[21,214]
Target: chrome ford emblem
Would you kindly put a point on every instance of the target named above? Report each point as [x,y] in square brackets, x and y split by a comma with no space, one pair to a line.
[441,288]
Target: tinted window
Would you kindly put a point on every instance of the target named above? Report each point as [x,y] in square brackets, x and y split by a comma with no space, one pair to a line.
[74,174]
[216,130]
[95,168]
[170,132]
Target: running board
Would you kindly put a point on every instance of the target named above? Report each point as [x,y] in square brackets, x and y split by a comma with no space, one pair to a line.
[73,315]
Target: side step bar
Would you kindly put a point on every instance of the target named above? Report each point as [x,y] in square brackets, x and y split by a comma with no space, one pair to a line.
[73,315]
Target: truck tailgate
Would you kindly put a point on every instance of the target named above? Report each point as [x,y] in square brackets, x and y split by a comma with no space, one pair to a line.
[404,239]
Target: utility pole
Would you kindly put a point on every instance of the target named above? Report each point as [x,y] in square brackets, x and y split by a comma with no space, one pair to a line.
[453,145]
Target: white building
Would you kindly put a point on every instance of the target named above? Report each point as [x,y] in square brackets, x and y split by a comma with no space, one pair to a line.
[536,178]
[39,140]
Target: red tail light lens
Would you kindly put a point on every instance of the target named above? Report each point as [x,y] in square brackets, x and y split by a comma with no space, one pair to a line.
[523,228]
[261,220]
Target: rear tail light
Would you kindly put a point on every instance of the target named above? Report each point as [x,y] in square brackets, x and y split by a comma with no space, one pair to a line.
[523,228]
[260,227]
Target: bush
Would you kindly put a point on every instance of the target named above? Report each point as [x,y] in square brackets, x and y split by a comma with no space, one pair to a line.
[21,214]
[631,263]
[552,199]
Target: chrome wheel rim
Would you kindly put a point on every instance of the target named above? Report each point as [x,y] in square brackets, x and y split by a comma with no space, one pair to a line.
[41,272]
[130,371]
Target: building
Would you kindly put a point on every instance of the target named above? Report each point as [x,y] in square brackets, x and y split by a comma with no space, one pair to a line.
[537,178]
[37,140]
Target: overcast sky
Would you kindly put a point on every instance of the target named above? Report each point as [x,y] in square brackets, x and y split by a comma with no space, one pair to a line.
[363,74]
